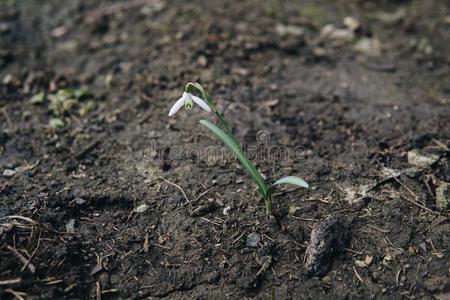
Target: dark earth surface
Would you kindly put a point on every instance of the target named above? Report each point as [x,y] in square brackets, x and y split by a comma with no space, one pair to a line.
[352,108]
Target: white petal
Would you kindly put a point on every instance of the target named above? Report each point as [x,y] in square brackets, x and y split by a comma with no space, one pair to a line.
[201,103]
[176,107]
[188,101]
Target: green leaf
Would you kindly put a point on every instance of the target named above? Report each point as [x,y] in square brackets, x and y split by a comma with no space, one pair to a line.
[56,123]
[82,93]
[38,98]
[236,150]
[292,180]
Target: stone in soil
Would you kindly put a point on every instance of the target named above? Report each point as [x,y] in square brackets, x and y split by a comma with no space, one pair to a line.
[253,239]
[328,238]
[9,173]
[70,226]
[141,208]
[80,201]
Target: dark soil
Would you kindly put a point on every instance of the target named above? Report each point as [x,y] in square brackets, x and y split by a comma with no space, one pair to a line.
[348,111]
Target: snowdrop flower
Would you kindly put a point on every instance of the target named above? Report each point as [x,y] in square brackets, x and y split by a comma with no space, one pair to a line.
[186,101]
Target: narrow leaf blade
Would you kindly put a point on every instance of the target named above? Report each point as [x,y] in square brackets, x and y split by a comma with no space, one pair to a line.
[236,149]
[294,180]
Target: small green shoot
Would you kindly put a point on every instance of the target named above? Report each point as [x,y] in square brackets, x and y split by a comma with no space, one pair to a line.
[65,102]
[56,123]
[39,98]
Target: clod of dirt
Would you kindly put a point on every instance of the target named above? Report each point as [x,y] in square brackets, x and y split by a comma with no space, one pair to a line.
[436,284]
[421,160]
[443,195]
[253,239]
[328,238]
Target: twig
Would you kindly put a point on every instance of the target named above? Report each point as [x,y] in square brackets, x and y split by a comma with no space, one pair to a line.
[19,217]
[202,194]
[54,282]
[8,120]
[304,219]
[18,295]
[397,276]
[98,291]
[378,229]
[357,275]
[416,197]
[34,252]
[30,266]
[180,188]
[238,238]
[406,188]
[11,281]
[354,251]
[441,145]
[161,246]
[110,291]
[209,221]
[420,205]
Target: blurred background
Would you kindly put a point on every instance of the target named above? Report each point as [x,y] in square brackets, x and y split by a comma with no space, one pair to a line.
[85,89]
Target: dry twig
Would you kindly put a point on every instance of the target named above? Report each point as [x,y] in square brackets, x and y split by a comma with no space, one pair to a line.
[22,258]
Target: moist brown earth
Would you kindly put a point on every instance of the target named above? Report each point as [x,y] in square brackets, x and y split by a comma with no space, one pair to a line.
[360,111]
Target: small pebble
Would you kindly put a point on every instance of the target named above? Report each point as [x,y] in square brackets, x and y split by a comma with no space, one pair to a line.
[70,226]
[351,23]
[9,173]
[80,201]
[141,208]
[253,239]
[226,211]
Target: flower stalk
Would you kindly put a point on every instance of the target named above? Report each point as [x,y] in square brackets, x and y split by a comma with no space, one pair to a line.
[228,138]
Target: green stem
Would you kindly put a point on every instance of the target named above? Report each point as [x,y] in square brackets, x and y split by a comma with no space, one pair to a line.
[268,203]
[211,104]
[264,190]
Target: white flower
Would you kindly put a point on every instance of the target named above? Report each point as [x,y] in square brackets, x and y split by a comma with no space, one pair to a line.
[186,100]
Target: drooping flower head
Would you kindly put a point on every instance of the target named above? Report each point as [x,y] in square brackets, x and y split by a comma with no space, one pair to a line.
[187,100]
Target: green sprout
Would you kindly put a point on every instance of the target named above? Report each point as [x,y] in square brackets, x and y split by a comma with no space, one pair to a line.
[230,141]
[65,102]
